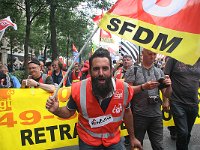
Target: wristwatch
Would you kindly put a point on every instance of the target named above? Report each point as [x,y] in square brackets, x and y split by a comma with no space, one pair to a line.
[141,87]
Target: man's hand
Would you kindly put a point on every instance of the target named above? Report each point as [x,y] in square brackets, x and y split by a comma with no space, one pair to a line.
[150,85]
[135,144]
[29,83]
[165,104]
[52,104]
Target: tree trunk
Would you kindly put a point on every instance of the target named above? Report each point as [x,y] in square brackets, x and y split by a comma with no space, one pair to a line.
[27,36]
[53,29]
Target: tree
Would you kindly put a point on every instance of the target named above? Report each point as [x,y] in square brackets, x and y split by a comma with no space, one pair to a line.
[8,7]
[46,24]
[32,10]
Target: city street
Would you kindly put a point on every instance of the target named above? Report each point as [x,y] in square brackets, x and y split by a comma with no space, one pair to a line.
[168,143]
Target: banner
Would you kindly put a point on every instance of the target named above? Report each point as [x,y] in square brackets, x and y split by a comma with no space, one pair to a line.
[25,123]
[168,27]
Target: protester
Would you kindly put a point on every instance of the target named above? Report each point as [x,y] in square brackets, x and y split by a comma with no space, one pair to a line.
[118,64]
[146,103]
[58,74]
[49,68]
[75,74]
[85,70]
[127,62]
[184,98]
[9,81]
[37,78]
[119,74]
[3,83]
[102,104]
[43,70]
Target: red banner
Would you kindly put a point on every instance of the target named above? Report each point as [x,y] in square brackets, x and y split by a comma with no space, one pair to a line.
[173,14]
[168,27]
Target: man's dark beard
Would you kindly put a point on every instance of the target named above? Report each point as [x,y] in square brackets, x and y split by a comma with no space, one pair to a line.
[101,90]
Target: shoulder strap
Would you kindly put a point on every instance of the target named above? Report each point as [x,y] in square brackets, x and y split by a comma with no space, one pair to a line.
[44,77]
[135,70]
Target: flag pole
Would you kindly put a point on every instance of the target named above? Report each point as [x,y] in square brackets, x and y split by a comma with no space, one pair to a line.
[77,56]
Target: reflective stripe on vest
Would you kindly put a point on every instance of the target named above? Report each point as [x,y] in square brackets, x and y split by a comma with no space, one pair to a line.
[97,135]
[83,101]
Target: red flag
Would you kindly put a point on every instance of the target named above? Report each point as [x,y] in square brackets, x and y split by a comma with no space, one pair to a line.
[96,19]
[105,36]
[6,22]
[168,27]
[74,48]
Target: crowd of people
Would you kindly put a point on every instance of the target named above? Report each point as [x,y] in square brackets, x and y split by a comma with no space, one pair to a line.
[105,96]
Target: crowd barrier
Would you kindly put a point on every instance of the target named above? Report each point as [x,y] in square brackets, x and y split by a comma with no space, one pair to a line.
[26,124]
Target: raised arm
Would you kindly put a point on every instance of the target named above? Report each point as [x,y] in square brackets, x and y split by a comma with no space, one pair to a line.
[52,106]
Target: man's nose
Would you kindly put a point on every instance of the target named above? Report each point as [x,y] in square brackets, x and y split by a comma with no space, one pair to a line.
[100,71]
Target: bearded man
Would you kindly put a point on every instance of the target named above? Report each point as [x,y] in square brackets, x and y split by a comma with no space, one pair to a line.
[102,103]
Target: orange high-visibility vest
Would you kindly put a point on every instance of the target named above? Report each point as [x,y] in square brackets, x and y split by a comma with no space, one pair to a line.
[94,126]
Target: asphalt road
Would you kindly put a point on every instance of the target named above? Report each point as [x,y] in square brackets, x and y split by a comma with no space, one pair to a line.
[169,144]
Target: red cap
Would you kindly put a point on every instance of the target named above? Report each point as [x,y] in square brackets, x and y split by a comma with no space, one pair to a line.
[86,66]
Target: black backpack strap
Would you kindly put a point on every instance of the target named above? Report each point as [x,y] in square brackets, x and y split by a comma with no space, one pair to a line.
[135,70]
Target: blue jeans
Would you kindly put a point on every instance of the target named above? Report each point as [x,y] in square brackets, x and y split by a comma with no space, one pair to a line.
[184,117]
[84,146]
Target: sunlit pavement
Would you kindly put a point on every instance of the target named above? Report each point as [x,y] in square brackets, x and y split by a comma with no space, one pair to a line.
[169,144]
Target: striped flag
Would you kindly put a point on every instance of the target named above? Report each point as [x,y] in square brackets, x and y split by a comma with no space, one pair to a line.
[129,48]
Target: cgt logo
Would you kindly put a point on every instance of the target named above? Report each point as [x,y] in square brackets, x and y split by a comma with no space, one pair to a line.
[118,94]
[5,99]
[174,7]
[117,109]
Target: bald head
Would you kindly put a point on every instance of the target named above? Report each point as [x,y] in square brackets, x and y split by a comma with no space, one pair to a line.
[148,57]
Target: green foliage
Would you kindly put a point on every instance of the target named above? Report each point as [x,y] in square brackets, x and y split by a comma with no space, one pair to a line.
[20,74]
[71,22]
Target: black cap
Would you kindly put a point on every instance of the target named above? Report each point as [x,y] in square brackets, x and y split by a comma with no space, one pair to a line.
[34,61]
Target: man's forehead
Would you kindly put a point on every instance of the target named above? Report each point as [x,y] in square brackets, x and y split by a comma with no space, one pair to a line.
[149,52]
[101,60]
[33,64]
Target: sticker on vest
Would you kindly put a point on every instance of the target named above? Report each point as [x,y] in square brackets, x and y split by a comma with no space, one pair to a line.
[118,94]
[100,121]
[117,109]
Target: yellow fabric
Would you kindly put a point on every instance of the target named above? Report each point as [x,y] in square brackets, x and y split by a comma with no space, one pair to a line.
[187,51]
[26,124]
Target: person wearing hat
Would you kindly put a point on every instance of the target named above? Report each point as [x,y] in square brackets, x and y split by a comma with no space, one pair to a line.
[38,79]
